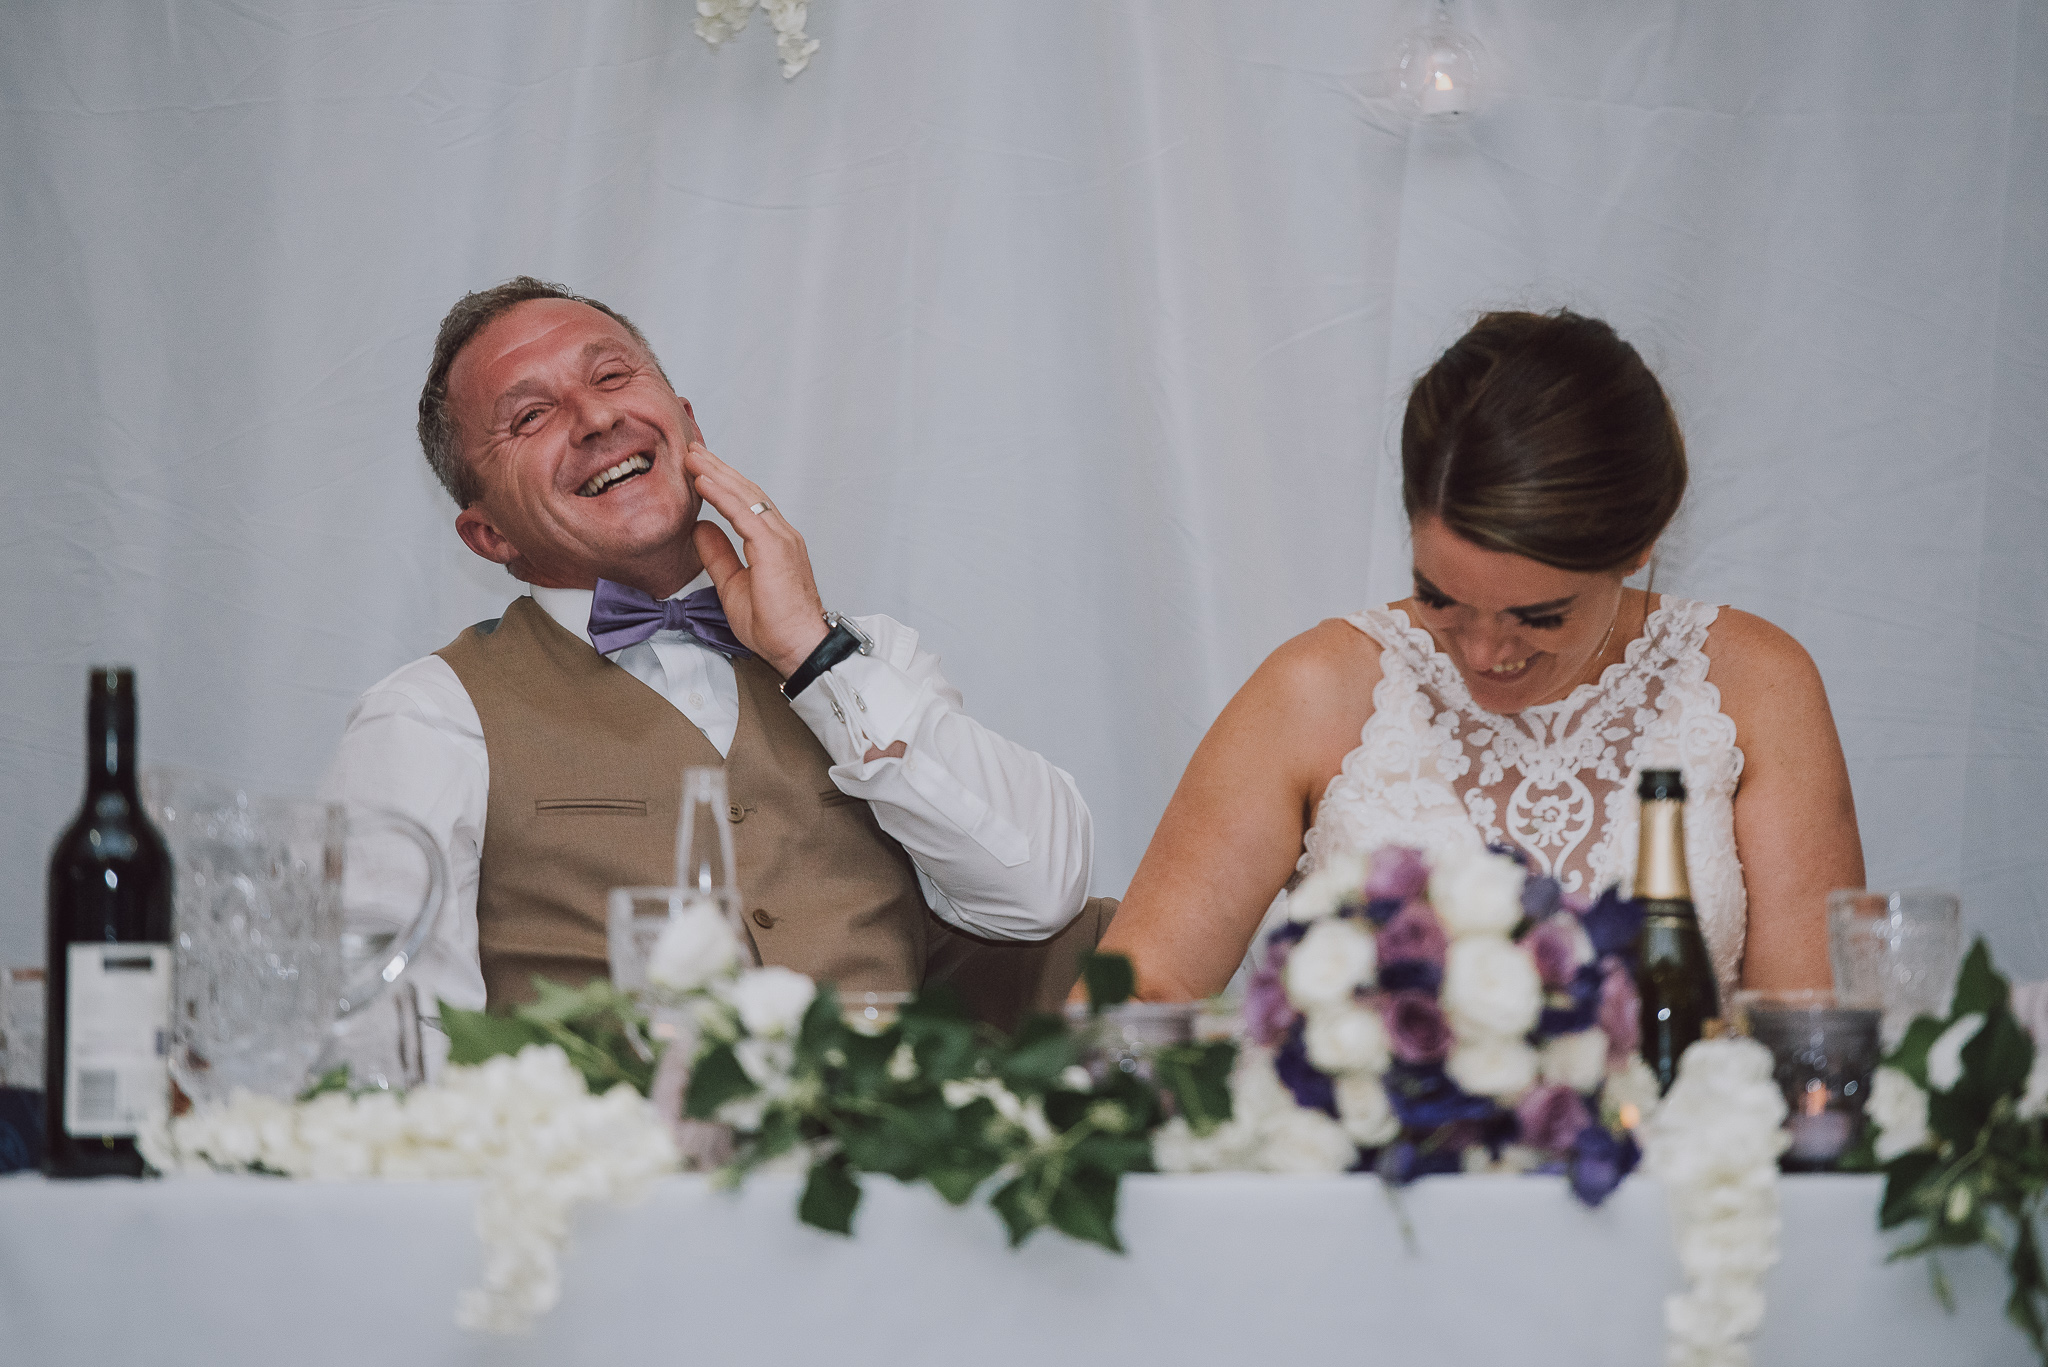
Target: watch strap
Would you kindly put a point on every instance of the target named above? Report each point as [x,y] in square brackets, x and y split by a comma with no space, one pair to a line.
[840,642]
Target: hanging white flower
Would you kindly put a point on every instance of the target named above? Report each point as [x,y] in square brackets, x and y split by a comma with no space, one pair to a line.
[719,21]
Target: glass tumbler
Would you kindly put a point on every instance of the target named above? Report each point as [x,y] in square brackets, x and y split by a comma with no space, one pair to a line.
[1895,951]
[1823,1055]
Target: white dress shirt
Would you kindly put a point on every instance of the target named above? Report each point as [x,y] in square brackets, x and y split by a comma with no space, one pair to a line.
[1000,837]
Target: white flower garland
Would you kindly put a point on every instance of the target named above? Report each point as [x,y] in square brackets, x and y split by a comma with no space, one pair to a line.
[721,20]
[526,1125]
[1715,1142]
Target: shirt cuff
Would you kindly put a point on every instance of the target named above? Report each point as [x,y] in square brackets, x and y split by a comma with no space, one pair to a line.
[861,703]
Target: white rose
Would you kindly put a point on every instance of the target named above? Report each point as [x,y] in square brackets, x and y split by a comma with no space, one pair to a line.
[1490,987]
[1479,894]
[1324,890]
[1332,959]
[1347,1039]
[1577,1060]
[1305,1141]
[1363,1110]
[694,947]
[1899,1110]
[1497,1066]
[772,1000]
[766,1062]
[1945,1055]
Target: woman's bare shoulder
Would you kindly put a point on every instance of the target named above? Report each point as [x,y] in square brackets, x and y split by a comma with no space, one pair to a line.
[1333,662]
[1751,660]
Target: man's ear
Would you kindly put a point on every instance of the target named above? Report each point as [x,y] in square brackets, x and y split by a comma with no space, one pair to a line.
[482,536]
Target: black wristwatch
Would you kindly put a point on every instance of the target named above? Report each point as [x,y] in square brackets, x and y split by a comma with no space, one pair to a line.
[842,640]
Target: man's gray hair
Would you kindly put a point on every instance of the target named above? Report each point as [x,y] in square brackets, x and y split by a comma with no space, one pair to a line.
[438,437]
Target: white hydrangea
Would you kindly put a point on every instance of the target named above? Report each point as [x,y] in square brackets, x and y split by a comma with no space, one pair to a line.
[1267,1131]
[721,20]
[524,1123]
[1329,963]
[1490,987]
[1479,893]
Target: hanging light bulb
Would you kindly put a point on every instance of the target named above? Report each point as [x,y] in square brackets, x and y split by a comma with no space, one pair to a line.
[1439,68]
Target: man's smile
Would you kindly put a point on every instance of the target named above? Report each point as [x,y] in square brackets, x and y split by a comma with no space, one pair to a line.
[611,478]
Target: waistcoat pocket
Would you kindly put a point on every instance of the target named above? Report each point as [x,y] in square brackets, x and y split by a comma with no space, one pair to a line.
[589,806]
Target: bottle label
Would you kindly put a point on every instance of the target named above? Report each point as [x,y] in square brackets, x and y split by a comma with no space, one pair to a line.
[117,1013]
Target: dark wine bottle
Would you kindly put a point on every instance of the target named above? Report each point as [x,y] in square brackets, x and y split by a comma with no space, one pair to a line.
[109,983]
[1674,976]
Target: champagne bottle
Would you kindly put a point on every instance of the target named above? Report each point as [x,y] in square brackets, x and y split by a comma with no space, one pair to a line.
[109,984]
[1674,976]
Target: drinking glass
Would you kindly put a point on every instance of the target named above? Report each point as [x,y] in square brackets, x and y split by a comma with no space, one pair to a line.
[1823,1054]
[1124,1038]
[1896,951]
[704,862]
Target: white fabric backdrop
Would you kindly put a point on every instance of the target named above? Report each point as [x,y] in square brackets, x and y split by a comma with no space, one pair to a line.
[1073,333]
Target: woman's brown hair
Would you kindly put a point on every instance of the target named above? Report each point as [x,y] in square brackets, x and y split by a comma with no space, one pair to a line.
[1544,435]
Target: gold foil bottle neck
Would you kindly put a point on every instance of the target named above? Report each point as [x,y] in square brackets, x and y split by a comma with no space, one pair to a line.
[1660,856]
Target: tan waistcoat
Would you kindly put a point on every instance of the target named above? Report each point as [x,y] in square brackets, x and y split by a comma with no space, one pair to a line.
[585,789]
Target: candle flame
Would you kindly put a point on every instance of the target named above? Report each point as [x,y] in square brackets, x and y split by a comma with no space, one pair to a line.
[1443,80]
[1815,1102]
[1630,1117]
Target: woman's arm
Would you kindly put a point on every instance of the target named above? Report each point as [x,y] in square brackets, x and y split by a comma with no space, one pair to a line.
[1795,820]
[1232,832]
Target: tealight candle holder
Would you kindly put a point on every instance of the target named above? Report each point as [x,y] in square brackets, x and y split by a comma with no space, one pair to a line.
[1823,1055]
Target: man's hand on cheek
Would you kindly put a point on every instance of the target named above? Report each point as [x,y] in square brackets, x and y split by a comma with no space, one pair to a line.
[771,599]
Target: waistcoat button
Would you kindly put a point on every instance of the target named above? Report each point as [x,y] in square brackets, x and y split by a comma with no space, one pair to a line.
[736,812]
[762,918]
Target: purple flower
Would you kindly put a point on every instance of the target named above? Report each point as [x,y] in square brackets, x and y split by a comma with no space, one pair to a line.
[1552,1117]
[1424,1097]
[1621,1012]
[1599,1162]
[1554,945]
[1414,936]
[1310,1085]
[1268,1015]
[1402,1163]
[1540,896]
[1396,873]
[1613,922]
[1417,1026]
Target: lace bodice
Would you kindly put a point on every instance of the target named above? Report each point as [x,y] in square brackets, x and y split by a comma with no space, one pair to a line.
[1434,770]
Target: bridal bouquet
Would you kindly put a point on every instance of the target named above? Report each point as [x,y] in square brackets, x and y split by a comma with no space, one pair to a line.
[1468,1017]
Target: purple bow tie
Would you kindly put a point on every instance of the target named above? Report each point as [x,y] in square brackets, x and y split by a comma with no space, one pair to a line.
[622,616]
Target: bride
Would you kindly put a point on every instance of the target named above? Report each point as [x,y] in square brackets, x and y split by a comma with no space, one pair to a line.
[1516,695]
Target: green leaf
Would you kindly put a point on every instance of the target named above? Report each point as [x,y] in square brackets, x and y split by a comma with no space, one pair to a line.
[958,1184]
[716,1079]
[1044,1049]
[474,1036]
[1084,1207]
[830,1197]
[1198,1076]
[2023,1307]
[1957,1116]
[822,1025]
[335,1079]
[1110,978]
[1015,1204]
[1903,1179]
[1995,1063]
[1979,987]
[555,1002]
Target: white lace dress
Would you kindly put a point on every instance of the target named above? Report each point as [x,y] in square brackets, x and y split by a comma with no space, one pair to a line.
[1434,770]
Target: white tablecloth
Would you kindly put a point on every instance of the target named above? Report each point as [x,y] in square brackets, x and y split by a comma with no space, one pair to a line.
[1221,1269]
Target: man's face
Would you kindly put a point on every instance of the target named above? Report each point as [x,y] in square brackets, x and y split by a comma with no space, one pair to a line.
[577,442]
